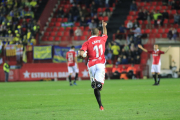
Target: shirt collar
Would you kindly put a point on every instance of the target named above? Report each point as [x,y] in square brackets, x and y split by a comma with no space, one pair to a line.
[92,36]
[156,50]
[71,50]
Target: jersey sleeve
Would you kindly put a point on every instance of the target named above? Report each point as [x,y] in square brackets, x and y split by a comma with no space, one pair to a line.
[150,51]
[84,46]
[161,52]
[104,37]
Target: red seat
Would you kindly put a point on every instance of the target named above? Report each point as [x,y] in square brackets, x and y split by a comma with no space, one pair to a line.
[154,31]
[59,20]
[178,30]
[82,28]
[148,4]
[151,8]
[111,9]
[64,20]
[158,8]
[142,4]
[76,38]
[74,28]
[85,33]
[164,35]
[153,3]
[55,29]
[142,31]
[86,28]
[166,30]
[159,3]
[77,24]
[57,38]
[129,17]
[160,30]
[64,38]
[58,24]
[66,33]
[53,33]
[152,21]
[46,33]
[48,30]
[147,31]
[158,36]
[44,38]
[51,38]
[171,21]
[131,13]
[51,24]
[173,12]
[68,28]
[105,18]
[99,10]
[178,11]
[83,38]
[140,21]
[164,7]
[175,25]
[165,21]
[59,34]
[146,7]
[61,29]
[53,20]
[145,22]
[100,18]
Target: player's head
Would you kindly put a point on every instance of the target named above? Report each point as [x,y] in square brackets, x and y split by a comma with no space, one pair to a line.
[72,47]
[155,46]
[95,31]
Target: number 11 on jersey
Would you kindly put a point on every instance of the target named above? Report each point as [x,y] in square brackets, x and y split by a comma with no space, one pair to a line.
[96,48]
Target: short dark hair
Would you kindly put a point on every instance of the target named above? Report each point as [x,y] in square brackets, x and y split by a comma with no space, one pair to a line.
[72,47]
[94,31]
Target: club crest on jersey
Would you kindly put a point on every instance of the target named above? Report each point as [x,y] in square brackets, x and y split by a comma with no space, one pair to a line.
[97,41]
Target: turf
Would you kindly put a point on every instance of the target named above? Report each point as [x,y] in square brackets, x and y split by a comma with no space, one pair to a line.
[122,100]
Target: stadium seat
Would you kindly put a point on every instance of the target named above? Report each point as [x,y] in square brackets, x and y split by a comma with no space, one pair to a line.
[100,18]
[64,20]
[46,33]
[147,31]
[44,38]
[148,4]
[178,30]
[48,30]
[105,18]
[165,21]
[86,28]
[146,7]
[142,4]
[142,31]
[85,33]
[77,24]
[51,24]
[166,30]
[158,8]
[173,12]
[53,20]
[111,9]
[164,35]
[75,38]
[61,29]
[59,20]
[82,28]
[59,34]
[51,38]
[55,29]
[74,28]
[164,7]
[64,38]
[58,24]
[66,33]
[99,10]
[83,38]
[160,31]
[158,36]
[151,8]
[175,25]
[57,38]
[131,13]
[171,21]
[140,22]
[154,31]
[153,3]
[53,33]
[178,11]
[159,3]
[129,18]
[68,28]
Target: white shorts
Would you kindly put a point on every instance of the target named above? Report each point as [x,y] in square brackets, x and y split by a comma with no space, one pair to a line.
[97,72]
[72,69]
[156,68]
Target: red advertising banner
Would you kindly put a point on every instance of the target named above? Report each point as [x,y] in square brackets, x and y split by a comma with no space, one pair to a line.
[50,70]
[13,75]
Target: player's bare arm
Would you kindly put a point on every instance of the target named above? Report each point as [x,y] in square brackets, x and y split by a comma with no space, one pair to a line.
[167,49]
[76,61]
[140,46]
[104,27]
[82,54]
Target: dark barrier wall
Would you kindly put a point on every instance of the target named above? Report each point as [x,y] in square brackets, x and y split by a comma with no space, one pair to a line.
[46,13]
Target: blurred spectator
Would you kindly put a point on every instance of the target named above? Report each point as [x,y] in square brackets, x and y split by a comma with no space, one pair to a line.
[71,31]
[118,61]
[100,24]
[149,18]
[84,11]
[60,12]
[96,20]
[165,2]
[118,35]
[129,24]
[144,14]
[135,24]
[116,72]
[92,24]
[32,41]
[6,68]
[176,18]
[131,72]
[83,22]
[137,60]
[133,6]
[137,31]
[132,48]
[93,9]
[107,12]
[156,16]
[78,33]
[165,14]
[109,55]
[172,34]
[123,73]
[115,49]
[173,4]
[140,15]
[126,47]
[70,17]
[124,60]
[122,29]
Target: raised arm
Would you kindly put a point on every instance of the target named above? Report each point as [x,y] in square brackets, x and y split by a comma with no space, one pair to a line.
[104,27]
[140,46]
[167,49]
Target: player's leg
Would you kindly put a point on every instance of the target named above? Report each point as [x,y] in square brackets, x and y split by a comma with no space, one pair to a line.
[76,75]
[70,71]
[153,69]
[159,75]
[99,77]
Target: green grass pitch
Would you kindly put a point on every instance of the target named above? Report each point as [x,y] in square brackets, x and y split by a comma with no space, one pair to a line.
[122,100]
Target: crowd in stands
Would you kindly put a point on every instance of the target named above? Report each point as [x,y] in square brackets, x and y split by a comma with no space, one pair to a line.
[17,21]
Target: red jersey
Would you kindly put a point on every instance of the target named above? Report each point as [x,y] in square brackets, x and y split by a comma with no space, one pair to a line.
[95,47]
[70,56]
[156,56]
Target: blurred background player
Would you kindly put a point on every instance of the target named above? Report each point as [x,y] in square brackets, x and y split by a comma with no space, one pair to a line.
[95,47]
[72,64]
[6,68]
[156,64]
